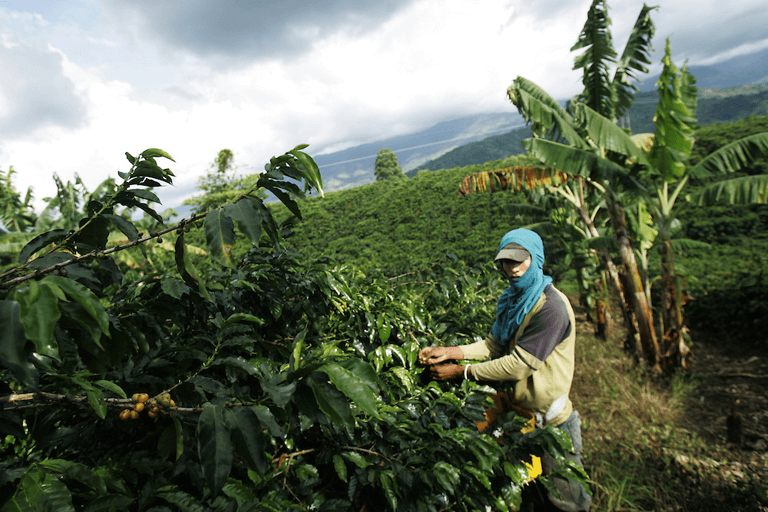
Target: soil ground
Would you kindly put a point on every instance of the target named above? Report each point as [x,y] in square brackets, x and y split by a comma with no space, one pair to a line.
[727,373]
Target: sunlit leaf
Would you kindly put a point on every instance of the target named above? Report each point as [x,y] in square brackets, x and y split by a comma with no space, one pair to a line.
[353,387]
[220,235]
[247,217]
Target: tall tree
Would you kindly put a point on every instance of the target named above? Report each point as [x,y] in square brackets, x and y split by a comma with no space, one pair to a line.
[221,184]
[386,167]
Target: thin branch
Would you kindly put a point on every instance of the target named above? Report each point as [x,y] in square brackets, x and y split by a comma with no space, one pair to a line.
[370,452]
[97,253]
[414,272]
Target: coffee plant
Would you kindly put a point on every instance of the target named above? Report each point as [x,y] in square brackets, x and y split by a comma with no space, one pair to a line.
[270,383]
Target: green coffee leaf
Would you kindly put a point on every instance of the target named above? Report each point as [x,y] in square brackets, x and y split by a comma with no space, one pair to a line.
[187,269]
[179,436]
[247,217]
[246,429]
[85,298]
[220,236]
[333,404]
[340,466]
[356,458]
[154,152]
[145,194]
[77,471]
[111,386]
[96,400]
[39,315]
[186,502]
[39,242]
[214,447]
[353,387]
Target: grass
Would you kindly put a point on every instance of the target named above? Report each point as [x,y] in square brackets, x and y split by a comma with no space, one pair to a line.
[638,451]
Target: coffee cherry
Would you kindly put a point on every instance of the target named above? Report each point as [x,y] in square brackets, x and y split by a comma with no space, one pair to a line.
[138,407]
[125,414]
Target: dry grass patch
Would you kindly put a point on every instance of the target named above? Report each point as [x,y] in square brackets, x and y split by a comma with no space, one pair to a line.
[637,450]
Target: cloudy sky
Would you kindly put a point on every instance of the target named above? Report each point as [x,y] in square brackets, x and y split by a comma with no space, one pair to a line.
[84,81]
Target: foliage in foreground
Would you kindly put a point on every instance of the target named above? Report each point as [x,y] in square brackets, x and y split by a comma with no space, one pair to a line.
[271,384]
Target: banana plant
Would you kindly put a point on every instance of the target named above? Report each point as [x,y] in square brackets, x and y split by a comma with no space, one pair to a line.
[583,140]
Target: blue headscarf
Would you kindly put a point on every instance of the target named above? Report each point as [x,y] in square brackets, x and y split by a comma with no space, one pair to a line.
[523,292]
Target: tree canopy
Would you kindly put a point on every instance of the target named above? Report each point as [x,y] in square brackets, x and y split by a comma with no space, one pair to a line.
[386,166]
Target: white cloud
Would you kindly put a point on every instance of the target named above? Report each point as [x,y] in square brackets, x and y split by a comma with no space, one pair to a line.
[128,76]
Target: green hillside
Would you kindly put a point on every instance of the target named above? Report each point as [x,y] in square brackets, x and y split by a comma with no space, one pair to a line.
[403,225]
[491,148]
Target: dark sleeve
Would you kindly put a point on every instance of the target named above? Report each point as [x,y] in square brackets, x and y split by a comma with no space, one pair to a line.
[547,328]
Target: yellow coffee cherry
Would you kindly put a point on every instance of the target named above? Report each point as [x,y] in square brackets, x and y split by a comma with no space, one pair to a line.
[134,415]
[143,397]
[125,414]
[138,407]
[135,397]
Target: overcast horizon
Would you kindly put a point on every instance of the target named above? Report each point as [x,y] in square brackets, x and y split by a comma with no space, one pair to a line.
[87,80]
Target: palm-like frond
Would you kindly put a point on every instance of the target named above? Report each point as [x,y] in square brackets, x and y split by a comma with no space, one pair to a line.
[596,60]
[633,60]
[546,116]
[675,120]
[733,156]
[744,190]
[510,178]
[580,162]
[606,134]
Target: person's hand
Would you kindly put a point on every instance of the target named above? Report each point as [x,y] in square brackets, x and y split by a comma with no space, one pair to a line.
[437,355]
[446,371]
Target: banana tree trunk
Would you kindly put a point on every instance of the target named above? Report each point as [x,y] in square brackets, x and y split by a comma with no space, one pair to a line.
[602,311]
[636,296]
[675,353]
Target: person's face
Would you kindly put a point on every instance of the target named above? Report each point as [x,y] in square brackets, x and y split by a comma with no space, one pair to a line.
[515,269]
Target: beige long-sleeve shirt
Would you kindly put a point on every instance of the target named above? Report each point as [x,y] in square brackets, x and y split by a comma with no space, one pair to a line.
[539,361]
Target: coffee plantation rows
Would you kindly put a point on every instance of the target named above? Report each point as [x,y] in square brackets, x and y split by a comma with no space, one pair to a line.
[272,383]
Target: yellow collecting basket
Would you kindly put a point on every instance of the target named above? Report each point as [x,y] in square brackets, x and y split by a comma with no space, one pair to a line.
[503,405]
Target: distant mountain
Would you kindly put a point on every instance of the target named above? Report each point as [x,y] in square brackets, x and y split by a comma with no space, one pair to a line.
[354,166]
[496,147]
[723,96]
[741,70]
